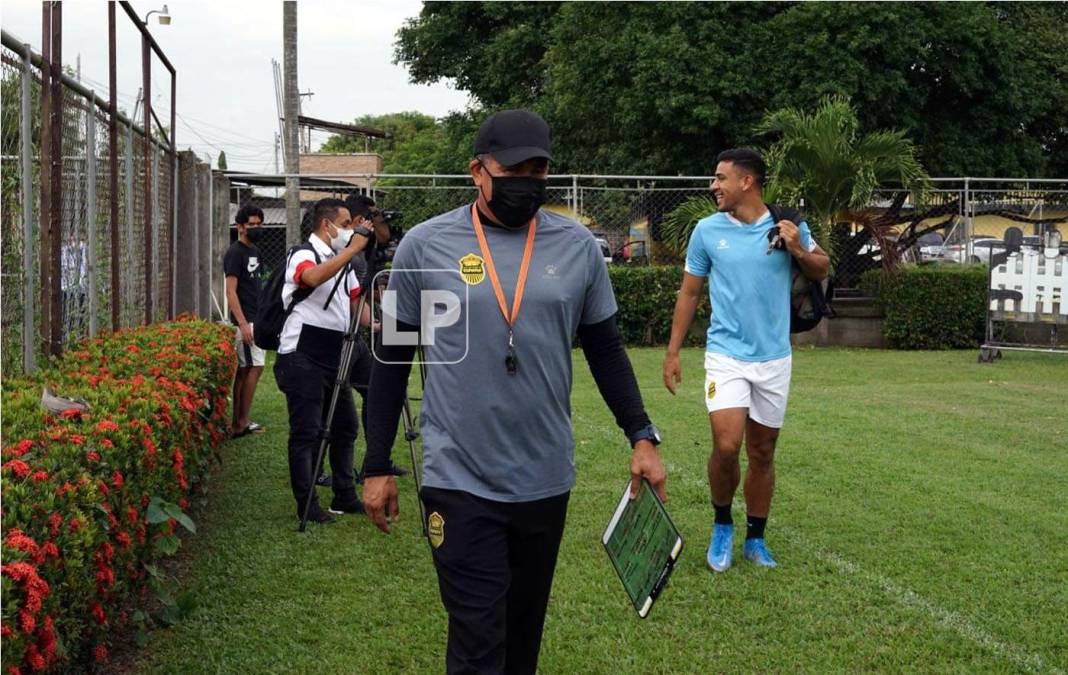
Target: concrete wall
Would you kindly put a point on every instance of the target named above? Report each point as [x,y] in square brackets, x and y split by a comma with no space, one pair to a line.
[857,323]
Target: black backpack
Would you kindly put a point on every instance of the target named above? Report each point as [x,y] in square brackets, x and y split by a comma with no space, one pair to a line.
[808,299]
[271,315]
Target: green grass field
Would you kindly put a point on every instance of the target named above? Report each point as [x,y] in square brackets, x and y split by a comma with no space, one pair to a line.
[920,523]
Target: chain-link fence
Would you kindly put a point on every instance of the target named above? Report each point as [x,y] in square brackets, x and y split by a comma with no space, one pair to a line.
[624,212]
[87,248]
[954,222]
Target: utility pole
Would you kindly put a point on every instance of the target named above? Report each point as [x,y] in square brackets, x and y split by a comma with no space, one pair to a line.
[292,105]
[276,142]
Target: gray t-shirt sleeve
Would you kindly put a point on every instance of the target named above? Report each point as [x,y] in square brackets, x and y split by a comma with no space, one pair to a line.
[600,301]
[405,278]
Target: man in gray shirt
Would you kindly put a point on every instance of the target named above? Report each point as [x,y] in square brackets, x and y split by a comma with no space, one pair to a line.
[517,285]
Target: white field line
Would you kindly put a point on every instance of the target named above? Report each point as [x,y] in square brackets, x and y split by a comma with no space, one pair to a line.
[1016,654]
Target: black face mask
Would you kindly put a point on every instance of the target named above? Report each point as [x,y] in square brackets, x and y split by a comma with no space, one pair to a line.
[516,198]
[254,234]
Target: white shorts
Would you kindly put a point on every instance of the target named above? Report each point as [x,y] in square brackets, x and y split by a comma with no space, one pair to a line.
[248,356]
[760,386]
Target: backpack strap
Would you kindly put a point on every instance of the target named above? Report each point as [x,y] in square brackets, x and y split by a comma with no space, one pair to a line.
[337,282]
[301,293]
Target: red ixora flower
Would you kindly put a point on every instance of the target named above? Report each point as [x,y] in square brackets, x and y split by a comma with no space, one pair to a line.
[22,447]
[98,614]
[18,467]
[71,413]
[54,521]
[16,539]
[107,425]
[34,658]
[40,476]
[76,439]
[92,456]
[117,480]
[106,443]
[100,653]
[37,589]
[123,539]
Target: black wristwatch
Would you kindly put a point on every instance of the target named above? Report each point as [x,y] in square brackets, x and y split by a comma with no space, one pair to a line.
[362,231]
[647,433]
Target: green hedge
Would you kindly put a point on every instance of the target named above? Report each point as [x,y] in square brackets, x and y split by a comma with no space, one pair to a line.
[646,298]
[932,306]
[92,499]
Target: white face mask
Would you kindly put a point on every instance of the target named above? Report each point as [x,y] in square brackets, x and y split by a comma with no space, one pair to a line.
[342,239]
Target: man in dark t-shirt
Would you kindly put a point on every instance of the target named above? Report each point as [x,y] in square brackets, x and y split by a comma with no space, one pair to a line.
[241,265]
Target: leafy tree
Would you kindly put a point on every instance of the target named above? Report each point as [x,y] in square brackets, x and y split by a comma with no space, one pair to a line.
[420,144]
[222,160]
[660,88]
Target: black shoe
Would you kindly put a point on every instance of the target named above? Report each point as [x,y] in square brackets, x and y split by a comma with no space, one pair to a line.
[395,470]
[324,480]
[321,517]
[339,507]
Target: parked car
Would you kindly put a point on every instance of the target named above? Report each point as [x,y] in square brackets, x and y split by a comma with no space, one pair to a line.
[981,249]
[606,250]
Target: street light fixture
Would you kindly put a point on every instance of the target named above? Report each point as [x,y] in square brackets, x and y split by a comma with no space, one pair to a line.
[164,16]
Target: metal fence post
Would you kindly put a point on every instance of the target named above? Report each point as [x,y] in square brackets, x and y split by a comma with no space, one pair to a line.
[90,211]
[967,206]
[29,361]
[155,257]
[127,293]
[171,312]
[26,138]
[574,196]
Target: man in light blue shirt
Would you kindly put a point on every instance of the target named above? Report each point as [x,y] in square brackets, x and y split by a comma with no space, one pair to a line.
[748,356]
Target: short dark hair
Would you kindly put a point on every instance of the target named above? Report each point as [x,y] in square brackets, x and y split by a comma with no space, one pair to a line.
[359,205]
[747,160]
[247,211]
[325,208]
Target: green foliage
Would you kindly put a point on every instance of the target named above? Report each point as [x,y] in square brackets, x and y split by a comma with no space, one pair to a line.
[662,87]
[420,143]
[821,157]
[677,226]
[932,306]
[92,498]
[646,298]
[222,160]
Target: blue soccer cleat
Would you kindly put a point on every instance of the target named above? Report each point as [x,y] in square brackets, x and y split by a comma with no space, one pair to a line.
[756,551]
[719,550]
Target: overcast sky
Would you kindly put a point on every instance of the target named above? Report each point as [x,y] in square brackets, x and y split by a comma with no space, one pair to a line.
[222,50]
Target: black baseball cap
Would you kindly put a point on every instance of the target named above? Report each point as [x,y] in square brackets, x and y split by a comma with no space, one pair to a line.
[513,136]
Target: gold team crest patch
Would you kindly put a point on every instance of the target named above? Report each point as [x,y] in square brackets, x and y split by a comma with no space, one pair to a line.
[711,390]
[435,529]
[472,269]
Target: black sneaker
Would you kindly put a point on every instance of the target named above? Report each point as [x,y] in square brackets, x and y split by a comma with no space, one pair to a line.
[339,507]
[320,516]
[324,480]
[395,470]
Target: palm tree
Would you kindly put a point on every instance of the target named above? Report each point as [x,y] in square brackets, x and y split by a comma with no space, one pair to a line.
[821,158]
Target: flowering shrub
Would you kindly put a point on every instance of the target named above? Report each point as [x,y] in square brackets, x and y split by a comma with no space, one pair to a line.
[83,492]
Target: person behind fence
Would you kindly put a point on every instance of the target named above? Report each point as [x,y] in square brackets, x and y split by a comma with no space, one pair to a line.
[498,444]
[748,356]
[243,271]
[309,352]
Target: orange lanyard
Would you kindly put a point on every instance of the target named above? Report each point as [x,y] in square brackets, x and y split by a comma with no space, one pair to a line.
[509,318]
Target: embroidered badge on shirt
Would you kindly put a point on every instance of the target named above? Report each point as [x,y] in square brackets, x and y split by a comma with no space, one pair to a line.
[435,529]
[472,269]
